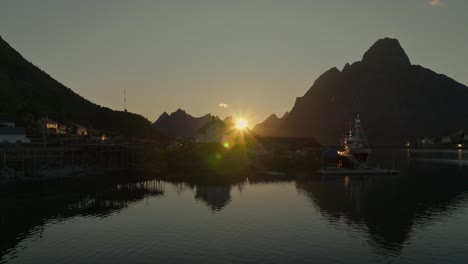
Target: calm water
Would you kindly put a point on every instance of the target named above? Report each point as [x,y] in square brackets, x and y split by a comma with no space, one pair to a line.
[420,216]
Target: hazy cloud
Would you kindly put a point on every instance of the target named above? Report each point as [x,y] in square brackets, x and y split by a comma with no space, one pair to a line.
[436,3]
[223,105]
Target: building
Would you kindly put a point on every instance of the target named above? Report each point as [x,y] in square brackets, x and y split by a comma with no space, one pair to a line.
[51,127]
[463,135]
[426,141]
[78,130]
[447,140]
[13,135]
[7,120]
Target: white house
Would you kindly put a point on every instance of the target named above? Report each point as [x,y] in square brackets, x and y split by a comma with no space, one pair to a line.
[426,141]
[82,131]
[50,126]
[79,130]
[13,135]
[7,121]
[447,140]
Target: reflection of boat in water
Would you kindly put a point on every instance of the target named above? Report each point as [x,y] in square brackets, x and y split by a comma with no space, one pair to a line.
[355,143]
[391,209]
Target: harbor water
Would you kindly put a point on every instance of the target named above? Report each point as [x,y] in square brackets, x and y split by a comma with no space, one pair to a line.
[419,216]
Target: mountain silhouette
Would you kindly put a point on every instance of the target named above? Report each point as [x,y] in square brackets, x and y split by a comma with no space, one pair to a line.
[397,101]
[30,93]
[180,124]
[270,126]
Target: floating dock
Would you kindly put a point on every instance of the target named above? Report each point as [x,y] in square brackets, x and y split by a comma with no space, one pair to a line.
[366,171]
[271,173]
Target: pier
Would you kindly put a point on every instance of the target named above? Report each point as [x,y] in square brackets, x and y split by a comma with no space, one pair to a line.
[39,162]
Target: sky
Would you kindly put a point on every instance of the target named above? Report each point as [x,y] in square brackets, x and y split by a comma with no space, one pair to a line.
[248,58]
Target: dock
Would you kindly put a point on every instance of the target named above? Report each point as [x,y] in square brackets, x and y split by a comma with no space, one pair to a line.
[364,171]
[30,163]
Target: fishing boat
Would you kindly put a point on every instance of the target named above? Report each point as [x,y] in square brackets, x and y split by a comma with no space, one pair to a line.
[336,162]
[353,158]
[355,143]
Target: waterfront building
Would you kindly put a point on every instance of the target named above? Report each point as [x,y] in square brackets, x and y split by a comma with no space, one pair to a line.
[78,130]
[13,135]
[447,140]
[463,135]
[7,120]
[51,127]
[426,141]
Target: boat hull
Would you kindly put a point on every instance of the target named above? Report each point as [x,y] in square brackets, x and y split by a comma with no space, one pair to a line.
[362,156]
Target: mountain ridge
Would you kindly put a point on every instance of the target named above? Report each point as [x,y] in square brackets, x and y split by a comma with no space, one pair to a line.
[397,101]
[30,93]
[180,123]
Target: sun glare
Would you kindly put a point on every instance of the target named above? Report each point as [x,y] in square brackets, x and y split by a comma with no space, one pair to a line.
[241,124]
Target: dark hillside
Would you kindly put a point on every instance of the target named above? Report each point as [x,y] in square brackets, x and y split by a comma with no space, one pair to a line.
[30,93]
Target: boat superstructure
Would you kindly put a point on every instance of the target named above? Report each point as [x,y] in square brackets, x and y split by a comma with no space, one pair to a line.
[355,143]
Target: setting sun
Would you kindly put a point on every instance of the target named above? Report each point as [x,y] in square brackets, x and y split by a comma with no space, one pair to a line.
[241,124]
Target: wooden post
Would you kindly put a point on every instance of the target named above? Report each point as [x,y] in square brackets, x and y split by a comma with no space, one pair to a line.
[4,162]
[321,158]
[22,165]
[35,161]
[122,158]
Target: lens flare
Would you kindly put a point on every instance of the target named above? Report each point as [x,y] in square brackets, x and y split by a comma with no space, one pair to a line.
[241,124]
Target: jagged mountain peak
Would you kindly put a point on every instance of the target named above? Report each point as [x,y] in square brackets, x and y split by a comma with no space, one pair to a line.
[179,112]
[272,117]
[162,118]
[397,101]
[3,43]
[386,51]
[180,123]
